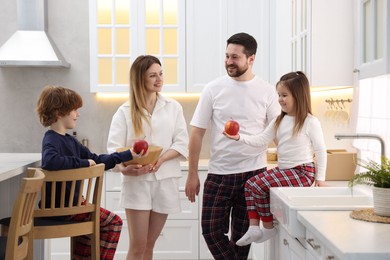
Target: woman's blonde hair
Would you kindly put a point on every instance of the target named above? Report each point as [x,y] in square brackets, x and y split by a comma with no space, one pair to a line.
[138,91]
[299,87]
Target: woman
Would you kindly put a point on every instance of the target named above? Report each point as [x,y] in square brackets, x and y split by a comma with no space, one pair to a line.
[149,192]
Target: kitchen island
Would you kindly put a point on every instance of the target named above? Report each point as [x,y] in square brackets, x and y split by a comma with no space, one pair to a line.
[335,234]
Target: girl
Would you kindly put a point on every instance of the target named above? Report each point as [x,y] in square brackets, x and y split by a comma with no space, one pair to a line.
[297,134]
[149,193]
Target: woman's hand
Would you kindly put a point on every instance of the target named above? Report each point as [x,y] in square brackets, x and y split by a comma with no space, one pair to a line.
[157,165]
[135,169]
[234,137]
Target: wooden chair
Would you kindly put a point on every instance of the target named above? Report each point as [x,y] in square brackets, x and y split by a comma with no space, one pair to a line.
[51,220]
[16,244]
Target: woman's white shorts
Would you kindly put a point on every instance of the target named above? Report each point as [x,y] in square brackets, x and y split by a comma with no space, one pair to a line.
[161,196]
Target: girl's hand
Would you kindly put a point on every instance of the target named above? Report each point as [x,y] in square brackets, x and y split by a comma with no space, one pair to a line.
[320,184]
[234,137]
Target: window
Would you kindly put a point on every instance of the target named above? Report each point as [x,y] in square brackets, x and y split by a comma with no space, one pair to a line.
[121,30]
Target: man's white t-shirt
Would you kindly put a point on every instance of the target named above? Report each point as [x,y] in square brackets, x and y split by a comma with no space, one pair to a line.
[253,104]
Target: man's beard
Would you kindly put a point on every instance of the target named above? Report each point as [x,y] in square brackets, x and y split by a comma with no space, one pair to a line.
[238,72]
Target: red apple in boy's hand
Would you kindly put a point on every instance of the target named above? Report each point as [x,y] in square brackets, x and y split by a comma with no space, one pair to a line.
[139,146]
[232,127]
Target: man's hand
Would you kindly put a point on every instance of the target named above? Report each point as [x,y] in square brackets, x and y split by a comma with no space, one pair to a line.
[192,187]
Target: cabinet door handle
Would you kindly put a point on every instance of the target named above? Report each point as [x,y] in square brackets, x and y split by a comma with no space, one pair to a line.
[285,242]
[310,241]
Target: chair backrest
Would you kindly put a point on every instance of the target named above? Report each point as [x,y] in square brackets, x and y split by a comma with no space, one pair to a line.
[70,192]
[22,216]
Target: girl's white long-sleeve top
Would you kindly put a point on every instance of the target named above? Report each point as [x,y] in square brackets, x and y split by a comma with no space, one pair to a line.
[167,129]
[294,150]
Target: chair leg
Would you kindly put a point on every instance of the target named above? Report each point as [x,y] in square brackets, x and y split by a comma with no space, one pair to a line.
[30,252]
[71,247]
[95,245]
[4,230]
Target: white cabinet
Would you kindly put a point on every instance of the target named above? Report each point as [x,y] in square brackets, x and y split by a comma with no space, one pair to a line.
[309,247]
[288,247]
[331,35]
[322,40]
[189,37]
[373,39]
[316,249]
[122,30]
[180,235]
[209,24]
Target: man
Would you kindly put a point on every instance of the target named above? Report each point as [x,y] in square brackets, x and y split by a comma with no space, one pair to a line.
[253,103]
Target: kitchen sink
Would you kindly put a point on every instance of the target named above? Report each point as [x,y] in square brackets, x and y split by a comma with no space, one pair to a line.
[286,201]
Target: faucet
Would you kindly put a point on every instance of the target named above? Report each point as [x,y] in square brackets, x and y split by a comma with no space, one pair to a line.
[363,136]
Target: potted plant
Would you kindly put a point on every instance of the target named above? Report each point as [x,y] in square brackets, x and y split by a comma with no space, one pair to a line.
[378,176]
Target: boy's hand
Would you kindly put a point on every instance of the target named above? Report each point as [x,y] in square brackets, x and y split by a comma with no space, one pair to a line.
[136,155]
[91,162]
[234,137]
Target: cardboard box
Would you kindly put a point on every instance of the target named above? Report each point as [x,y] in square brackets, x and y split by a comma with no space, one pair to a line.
[341,165]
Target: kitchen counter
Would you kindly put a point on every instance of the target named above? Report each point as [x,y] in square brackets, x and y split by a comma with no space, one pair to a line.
[348,238]
[13,167]
[203,165]
[14,164]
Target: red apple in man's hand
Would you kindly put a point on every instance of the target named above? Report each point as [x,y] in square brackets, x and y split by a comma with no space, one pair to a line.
[232,127]
[139,146]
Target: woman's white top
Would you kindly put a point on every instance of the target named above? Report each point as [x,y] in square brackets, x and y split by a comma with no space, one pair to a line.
[167,129]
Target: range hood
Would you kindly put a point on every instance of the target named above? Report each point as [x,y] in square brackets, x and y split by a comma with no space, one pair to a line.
[30,45]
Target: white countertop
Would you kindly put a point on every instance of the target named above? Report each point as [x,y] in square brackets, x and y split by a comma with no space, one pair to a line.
[349,238]
[13,164]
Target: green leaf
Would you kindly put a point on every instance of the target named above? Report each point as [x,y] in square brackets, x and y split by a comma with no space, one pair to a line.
[377,175]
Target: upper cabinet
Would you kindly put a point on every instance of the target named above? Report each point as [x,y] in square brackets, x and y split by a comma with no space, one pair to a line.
[188,36]
[373,39]
[121,30]
[210,23]
[322,40]
[330,48]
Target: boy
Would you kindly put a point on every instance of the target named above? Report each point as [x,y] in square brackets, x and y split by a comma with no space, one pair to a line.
[57,109]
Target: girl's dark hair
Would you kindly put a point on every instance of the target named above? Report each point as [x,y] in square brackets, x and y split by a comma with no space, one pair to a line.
[246,40]
[299,87]
[56,101]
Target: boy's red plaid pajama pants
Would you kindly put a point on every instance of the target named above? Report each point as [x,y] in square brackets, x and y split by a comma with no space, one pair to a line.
[110,230]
